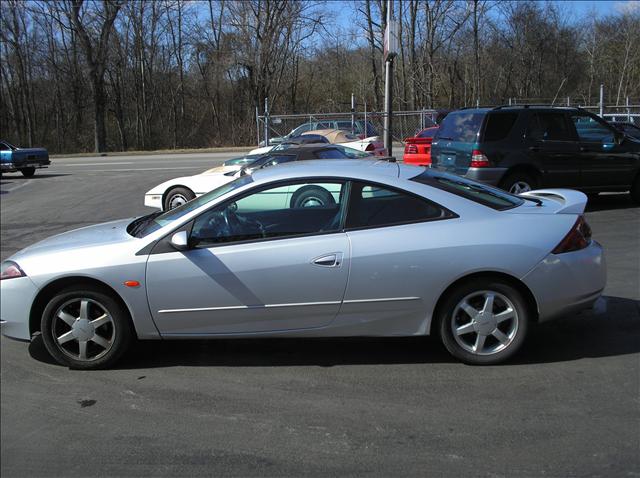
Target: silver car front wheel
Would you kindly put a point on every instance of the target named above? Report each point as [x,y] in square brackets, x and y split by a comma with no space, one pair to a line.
[484,322]
[85,328]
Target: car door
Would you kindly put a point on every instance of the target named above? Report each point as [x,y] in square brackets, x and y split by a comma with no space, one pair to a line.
[254,264]
[605,161]
[390,280]
[552,145]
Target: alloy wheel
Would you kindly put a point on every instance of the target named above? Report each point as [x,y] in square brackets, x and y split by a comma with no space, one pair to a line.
[520,187]
[484,322]
[83,329]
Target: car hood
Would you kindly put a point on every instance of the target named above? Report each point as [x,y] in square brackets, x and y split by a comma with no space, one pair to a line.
[89,236]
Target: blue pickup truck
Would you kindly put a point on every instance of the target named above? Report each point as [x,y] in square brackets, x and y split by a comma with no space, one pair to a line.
[25,160]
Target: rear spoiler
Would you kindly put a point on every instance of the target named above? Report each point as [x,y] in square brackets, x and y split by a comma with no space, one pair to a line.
[570,201]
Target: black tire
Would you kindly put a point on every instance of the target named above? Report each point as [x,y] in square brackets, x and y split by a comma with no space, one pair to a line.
[28,172]
[514,182]
[311,196]
[117,332]
[492,351]
[176,197]
[635,190]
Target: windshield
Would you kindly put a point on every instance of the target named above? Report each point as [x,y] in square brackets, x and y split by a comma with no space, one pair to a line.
[352,152]
[146,225]
[242,160]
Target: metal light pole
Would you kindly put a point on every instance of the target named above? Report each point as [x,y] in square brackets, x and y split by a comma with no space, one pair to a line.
[353,114]
[266,121]
[390,52]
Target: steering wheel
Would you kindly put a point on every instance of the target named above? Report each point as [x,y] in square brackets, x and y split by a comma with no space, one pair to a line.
[239,225]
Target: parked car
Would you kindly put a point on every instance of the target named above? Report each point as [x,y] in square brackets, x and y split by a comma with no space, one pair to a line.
[362,129]
[25,160]
[175,192]
[371,145]
[629,129]
[401,251]
[417,149]
[521,148]
[296,140]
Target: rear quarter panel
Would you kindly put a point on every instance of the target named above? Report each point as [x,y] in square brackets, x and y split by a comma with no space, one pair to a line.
[423,260]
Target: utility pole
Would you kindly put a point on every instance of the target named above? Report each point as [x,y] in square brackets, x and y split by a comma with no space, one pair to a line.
[390,51]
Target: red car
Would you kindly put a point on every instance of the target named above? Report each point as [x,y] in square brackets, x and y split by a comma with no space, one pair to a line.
[417,150]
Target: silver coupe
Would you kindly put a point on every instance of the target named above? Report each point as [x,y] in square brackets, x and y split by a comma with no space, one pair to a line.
[313,249]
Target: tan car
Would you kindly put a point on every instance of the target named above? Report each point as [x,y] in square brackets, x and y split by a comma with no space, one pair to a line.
[371,145]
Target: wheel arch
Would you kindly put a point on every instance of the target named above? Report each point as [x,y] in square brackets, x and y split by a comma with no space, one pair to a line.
[530,169]
[520,286]
[51,289]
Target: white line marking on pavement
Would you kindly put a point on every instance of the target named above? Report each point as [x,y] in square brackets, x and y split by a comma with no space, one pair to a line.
[138,169]
[92,164]
[18,186]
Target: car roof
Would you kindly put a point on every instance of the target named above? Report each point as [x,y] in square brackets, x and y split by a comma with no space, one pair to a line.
[366,169]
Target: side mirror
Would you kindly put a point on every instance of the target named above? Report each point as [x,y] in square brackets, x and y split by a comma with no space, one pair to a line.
[180,240]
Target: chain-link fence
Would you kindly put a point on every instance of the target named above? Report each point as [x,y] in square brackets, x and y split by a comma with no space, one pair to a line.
[404,124]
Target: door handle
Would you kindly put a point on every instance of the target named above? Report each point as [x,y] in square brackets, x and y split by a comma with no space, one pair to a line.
[329,260]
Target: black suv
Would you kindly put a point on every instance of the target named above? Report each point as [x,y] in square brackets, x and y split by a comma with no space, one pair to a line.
[520,148]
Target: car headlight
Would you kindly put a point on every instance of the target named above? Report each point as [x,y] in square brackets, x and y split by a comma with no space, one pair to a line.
[11,270]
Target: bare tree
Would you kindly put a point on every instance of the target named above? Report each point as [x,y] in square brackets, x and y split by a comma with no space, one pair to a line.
[93,27]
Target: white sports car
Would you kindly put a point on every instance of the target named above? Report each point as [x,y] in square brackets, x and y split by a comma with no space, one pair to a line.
[175,192]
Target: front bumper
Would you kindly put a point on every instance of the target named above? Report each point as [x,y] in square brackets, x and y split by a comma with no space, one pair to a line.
[16,297]
[12,167]
[566,283]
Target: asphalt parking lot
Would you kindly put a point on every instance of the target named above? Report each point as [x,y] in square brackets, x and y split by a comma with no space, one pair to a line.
[569,405]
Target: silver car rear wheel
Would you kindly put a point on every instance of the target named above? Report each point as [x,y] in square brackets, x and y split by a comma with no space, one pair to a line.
[484,322]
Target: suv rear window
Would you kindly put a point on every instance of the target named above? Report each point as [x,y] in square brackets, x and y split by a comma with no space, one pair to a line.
[477,192]
[461,126]
[499,126]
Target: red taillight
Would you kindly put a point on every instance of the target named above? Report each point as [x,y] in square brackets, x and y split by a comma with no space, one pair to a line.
[578,238]
[370,147]
[478,159]
[410,149]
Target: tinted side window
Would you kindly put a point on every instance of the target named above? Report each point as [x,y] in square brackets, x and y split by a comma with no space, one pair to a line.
[499,126]
[281,211]
[461,126]
[376,206]
[549,127]
[590,130]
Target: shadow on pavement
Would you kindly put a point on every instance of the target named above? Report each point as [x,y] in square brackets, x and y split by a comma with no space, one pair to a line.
[611,329]
[605,202]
